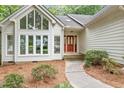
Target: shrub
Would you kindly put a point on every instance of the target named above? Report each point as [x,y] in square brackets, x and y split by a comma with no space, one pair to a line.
[110,65]
[13,81]
[43,71]
[63,85]
[94,57]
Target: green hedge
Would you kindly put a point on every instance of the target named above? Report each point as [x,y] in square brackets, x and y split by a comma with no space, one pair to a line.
[94,57]
[43,71]
[13,81]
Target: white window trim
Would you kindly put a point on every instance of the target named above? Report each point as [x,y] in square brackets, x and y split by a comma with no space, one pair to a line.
[25,44]
[6,39]
[54,44]
[34,48]
[42,16]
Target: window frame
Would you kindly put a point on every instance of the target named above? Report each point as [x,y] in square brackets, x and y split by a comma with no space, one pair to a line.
[35,29]
[20,44]
[34,45]
[43,25]
[59,44]
[7,45]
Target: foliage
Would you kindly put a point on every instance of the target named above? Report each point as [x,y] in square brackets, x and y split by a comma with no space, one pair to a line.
[6,10]
[110,65]
[43,71]
[13,81]
[63,85]
[94,57]
[75,9]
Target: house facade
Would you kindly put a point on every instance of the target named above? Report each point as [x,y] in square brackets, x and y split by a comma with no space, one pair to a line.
[32,33]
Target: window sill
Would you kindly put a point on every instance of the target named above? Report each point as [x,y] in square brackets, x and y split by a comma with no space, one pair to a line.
[34,55]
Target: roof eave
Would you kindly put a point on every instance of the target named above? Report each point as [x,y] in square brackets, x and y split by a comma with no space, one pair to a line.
[100,14]
[76,20]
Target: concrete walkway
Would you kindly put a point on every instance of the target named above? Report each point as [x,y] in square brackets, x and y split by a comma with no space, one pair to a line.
[79,79]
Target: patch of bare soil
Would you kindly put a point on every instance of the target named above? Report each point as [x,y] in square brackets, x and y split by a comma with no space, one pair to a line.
[25,70]
[111,79]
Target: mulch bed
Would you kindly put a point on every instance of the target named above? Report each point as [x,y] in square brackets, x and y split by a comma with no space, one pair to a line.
[25,70]
[111,79]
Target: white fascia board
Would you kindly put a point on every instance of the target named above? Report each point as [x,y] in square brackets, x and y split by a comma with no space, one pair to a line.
[52,16]
[53,21]
[21,11]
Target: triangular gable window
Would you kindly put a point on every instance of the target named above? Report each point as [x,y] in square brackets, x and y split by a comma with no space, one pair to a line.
[34,20]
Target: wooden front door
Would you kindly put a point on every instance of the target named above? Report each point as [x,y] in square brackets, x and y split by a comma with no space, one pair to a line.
[70,43]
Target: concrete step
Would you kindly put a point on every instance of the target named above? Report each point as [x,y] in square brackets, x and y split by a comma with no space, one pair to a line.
[81,56]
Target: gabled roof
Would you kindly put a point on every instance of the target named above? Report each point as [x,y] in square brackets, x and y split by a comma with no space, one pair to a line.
[105,11]
[75,20]
[23,8]
[82,19]
[69,22]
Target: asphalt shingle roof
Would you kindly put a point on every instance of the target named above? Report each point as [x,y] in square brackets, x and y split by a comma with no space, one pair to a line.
[75,20]
[83,19]
[68,22]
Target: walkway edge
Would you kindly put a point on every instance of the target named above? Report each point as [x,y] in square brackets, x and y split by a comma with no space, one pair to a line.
[73,84]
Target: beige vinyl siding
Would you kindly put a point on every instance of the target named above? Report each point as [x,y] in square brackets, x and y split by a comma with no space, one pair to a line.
[108,34]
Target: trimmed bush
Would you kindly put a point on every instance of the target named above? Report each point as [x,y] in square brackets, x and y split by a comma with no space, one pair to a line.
[94,57]
[110,65]
[13,81]
[43,71]
[63,85]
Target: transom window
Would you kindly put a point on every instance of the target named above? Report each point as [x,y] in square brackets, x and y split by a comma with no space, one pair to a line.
[34,20]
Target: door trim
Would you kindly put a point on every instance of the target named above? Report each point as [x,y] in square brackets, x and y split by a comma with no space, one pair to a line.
[71,39]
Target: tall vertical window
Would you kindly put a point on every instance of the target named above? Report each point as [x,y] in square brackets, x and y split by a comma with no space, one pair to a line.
[22,44]
[23,23]
[45,24]
[56,44]
[9,44]
[45,44]
[30,44]
[37,20]
[31,20]
[38,44]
